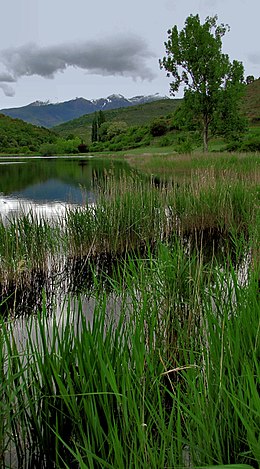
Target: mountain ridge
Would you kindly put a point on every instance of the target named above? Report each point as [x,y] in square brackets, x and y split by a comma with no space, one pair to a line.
[140,114]
[47,114]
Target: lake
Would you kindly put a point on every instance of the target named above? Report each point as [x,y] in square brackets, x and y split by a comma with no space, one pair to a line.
[50,185]
[37,257]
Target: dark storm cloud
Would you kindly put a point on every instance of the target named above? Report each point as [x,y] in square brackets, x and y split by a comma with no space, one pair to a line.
[124,56]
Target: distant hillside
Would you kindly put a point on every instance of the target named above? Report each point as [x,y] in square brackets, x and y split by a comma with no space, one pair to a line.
[134,115]
[49,115]
[16,136]
[251,102]
[145,113]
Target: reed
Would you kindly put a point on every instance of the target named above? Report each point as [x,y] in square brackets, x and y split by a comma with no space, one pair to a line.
[129,214]
[223,165]
[166,375]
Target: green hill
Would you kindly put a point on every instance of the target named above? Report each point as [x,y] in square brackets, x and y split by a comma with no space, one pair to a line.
[135,115]
[146,113]
[251,102]
[16,136]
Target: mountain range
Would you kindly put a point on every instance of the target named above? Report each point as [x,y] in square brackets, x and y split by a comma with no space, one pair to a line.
[48,115]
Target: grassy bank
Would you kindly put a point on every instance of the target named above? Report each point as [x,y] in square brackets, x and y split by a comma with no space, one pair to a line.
[223,165]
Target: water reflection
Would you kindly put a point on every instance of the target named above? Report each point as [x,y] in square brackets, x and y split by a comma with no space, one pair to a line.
[72,276]
[12,207]
[50,185]
[47,188]
[49,289]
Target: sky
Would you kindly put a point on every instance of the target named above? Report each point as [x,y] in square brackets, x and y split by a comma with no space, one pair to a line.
[58,50]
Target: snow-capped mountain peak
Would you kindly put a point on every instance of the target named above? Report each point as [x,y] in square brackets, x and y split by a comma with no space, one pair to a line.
[49,114]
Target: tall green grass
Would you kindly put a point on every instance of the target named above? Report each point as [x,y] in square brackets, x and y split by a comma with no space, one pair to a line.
[130,213]
[167,377]
[175,165]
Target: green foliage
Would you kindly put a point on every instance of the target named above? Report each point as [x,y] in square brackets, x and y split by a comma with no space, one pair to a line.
[48,149]
[248,144]
[97,123]
[250,79]
[17,136]
[227,119]
[216,194]
[138,117]
[100,118]
[133,116]
[165,141]
[194,57]
[185,146]
[68,146]
[226,122]
[109,130]
[116,128]
[94,130]
[61,147]
[116,136]
[158,127]
[167,375]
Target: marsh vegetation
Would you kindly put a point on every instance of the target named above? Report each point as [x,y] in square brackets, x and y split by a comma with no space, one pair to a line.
[164,372]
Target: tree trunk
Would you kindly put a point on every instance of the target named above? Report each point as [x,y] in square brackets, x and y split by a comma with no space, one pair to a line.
[205,134]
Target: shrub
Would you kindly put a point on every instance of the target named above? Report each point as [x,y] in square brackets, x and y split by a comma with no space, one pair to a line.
[68,146]
[48,149]
[185,147]
[158,127]
[97,146]
[165,141]
[115,146]
[83,148]
[25,149]
[249,144]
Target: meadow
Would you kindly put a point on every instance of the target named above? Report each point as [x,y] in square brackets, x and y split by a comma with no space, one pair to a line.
[166,374]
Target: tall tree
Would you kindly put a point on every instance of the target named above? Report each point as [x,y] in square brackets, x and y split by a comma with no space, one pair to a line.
[94,130]
[194,58]
[100,118]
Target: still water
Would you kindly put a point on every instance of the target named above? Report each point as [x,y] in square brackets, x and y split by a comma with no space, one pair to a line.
[50,185]
[47,187]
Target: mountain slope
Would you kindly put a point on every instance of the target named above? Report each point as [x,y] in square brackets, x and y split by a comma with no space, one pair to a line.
[16,136]
[135,115]
[251,102]
[49,115]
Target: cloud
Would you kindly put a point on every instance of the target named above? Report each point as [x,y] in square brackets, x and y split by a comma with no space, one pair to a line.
[254,58]
[8,90]
[125,56]
[6,77]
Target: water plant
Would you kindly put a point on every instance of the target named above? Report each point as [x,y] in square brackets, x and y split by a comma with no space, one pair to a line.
[129,214]
[152,358]
[165,372]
